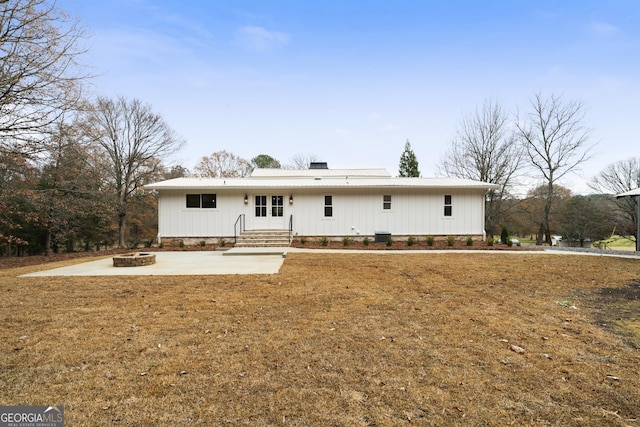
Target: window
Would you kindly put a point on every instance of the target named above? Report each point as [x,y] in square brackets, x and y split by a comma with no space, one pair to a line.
[448,206]
[277,206]
[328,206]
[209,201]
[386,202]
[261,206]
[193,200]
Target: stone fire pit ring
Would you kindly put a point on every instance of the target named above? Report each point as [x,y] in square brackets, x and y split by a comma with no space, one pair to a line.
[136,259]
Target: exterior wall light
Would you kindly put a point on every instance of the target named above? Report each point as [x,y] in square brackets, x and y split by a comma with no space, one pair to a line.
[246,199]
[290,199]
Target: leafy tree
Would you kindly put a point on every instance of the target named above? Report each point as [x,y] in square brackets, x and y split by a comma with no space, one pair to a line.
[17,178]
[265,161]
[526,213]
[504,235]
[408,163]
[133,140]
[222,164]
[484,149]
[586,217]
[70,198]
[555,143]
[176,171]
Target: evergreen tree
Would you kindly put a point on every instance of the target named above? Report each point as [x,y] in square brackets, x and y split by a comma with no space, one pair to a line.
[408,163]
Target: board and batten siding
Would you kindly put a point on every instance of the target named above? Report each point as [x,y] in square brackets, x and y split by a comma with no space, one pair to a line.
[175,220]
[355,212]
[413,212]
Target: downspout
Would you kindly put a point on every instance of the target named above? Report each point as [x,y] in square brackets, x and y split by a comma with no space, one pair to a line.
[484,218]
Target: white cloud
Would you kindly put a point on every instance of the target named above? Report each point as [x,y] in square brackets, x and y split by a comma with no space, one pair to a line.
[258,39]
[389,128]
[604,29]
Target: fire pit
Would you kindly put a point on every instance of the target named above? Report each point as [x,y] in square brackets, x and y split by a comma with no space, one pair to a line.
[137,259]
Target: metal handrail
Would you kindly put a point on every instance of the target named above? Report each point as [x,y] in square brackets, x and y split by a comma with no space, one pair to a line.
[235,227]
[290,227]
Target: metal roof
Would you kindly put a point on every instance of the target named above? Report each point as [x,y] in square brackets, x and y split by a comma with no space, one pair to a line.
[635,192]
[317,183]
[312,173]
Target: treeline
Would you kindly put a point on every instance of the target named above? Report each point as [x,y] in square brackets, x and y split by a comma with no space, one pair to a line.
[73,167]
[543,143]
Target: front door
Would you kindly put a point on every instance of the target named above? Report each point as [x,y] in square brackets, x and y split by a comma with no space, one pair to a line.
[269,212]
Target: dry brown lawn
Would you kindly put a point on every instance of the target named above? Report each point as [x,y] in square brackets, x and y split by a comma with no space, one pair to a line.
[333,340]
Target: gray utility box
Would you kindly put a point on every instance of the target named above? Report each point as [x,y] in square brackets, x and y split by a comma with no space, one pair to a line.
[382,236]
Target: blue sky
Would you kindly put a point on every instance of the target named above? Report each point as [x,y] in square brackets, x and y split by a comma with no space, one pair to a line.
[352,81]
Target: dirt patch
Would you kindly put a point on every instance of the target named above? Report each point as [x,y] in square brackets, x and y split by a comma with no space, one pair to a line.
[619,310]
[333,339]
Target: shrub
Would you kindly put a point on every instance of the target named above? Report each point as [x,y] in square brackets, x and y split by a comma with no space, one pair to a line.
[345,241]
[389,241]
[411,241]
[161,245]
[450,240]
[489,241]
[303,240]
[504,235]
[222,243]
[430,240]
[324,241]
[509,242]
[202,243]
[365,241]
[181,243]
[469,241]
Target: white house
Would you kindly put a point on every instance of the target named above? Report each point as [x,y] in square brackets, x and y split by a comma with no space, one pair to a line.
[319,202]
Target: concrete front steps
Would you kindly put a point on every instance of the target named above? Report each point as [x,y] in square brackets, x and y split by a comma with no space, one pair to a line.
[263,239]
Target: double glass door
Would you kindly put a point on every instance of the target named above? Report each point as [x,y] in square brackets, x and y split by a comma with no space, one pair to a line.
[269,211]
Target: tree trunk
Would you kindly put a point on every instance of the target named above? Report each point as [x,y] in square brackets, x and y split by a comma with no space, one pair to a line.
[47,242]
[539,235]
[122,219]
[547,211]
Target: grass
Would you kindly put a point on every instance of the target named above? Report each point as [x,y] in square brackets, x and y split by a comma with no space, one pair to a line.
[622,242]
[333,339]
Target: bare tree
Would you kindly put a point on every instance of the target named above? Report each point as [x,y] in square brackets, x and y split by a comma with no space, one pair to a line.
[484,149]
[134,140]
[555,143]
[620,177]
[301,161]
[39,79]
[222,164]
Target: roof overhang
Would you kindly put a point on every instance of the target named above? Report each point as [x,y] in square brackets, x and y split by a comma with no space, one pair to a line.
[248,184]
[630,193]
